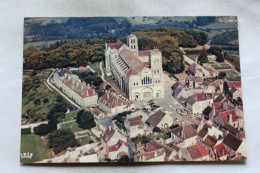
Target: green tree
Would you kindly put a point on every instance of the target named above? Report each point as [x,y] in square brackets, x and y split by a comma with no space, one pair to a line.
[60,140]
[206,112]
[203,57]
[124,158]
[42,129]
[156,129]
[45,100]
[37,102]
[222,75]
[85,119]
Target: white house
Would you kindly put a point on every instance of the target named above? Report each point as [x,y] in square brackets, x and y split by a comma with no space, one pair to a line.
[118,150]
[135,126]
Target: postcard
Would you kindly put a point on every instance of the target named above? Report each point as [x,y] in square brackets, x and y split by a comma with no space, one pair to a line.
[131,89]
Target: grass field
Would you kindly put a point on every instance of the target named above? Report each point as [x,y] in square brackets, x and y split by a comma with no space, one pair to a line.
[35,88]
[95,67]
[73,126]
[32,143]
[70,116]
[85,140]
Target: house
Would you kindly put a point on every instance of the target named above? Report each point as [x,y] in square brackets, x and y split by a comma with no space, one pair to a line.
[118,150]
[160,119]
[193,82]
[198,102]
[195,153]
[229,117]
[184,136]
[114,103]
[197,70]
[208,129]
[157,155]
[234,145]
[235,93]
[221,152]
[171,152]
[135,126]
[111,136]
[97,114]
[209,144]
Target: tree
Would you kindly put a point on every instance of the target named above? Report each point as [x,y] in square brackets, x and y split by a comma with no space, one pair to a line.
[124,158]
[206,112]
[85,119]
[156,129]
[222,75]
[37,102]
[52,124]
[203,57]
[174,126]
[26,131]
[42,129]
[108,87]
[45,100]
[59,98]
[60,140]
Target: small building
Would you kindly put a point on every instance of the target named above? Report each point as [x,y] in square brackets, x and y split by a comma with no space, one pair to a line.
[114,103]
[135,126]
[171,152]
[221,152]
[195,153]
[118,150]
[184,136]
[198,102]
[234,146]
[157,155]
[160,119]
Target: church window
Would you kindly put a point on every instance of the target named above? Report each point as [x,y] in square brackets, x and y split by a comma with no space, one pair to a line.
[150,81]
[134,84]
[134,46]
[131,47]
[157,71]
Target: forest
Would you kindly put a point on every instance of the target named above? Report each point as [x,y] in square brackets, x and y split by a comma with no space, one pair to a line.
[82,52]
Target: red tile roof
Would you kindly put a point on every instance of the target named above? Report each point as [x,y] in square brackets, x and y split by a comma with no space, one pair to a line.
[224,116]
[200,97]
[232,142]
[221,150]
[116,45]
[197,151]
[236,84]
[217,105]
[210,141]
[143,53]
[131,60]
[112,100]
[135,121]
[203,151]
[117,146]
[96,112]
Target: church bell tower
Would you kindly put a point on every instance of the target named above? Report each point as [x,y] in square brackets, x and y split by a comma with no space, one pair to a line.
[133,44]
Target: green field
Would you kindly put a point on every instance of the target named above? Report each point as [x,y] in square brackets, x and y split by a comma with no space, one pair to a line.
[73,126]
[95,67]
[32,143]
[33,89]
[85,140]
[70,116]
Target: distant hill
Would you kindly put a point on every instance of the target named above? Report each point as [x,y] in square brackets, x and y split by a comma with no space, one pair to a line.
[46,29]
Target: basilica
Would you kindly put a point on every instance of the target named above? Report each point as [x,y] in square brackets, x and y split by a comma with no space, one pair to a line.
[139,73]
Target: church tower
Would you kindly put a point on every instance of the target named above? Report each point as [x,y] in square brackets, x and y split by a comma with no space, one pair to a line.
[133,44]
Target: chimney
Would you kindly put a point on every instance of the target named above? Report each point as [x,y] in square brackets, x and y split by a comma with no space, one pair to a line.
[88,85]
[222,152]
[107,96]
[230,119]
[87,92]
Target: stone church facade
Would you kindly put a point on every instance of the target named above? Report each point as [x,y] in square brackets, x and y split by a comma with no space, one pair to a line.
[139,73]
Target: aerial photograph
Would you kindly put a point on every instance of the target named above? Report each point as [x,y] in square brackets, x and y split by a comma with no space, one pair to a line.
[131,89]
